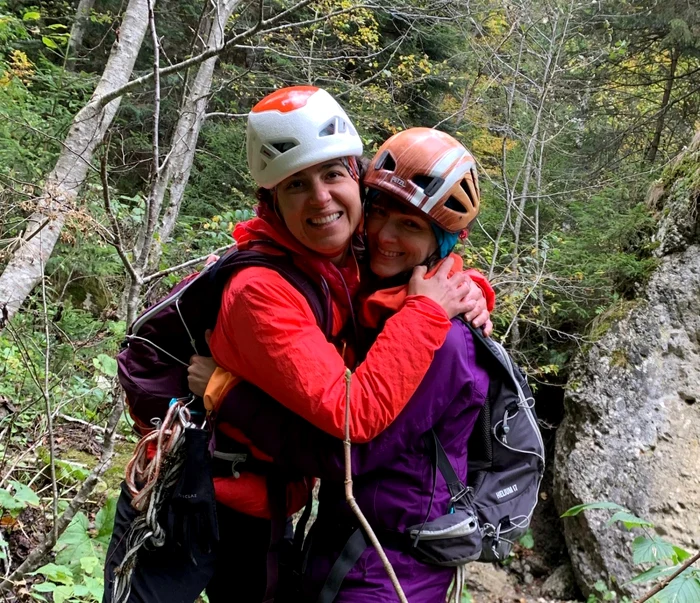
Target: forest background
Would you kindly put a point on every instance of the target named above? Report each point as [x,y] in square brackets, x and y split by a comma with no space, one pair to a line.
[122,166]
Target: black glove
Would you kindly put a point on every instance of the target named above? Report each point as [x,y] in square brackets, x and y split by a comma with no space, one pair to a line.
[192,506]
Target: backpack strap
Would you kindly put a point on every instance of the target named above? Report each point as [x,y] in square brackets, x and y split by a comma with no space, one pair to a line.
[352,551]
[317,294]
[439,458]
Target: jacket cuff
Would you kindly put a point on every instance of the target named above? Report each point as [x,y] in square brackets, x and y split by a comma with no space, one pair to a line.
[482,282]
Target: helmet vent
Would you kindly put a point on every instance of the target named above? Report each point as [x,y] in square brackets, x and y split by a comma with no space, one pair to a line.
[470,192]
[429,184]
[455,205]
[385,162]
[284,146]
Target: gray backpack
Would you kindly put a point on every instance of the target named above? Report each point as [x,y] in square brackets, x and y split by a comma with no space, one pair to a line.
[505,468]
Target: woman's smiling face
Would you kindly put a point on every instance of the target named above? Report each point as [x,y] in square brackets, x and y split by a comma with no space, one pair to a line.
[321,207]
[398,237]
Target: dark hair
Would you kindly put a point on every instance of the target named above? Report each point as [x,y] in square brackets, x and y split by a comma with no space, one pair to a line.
[266,198]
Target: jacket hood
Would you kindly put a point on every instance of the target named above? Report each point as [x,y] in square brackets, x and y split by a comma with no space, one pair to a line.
[343,281]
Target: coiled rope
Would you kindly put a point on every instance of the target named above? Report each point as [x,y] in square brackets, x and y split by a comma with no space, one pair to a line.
[157,477]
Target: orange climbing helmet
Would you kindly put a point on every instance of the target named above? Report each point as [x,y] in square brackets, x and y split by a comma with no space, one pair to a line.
[430,171]
[295,128]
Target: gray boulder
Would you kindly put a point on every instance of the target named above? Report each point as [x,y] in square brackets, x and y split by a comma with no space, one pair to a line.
[631,432]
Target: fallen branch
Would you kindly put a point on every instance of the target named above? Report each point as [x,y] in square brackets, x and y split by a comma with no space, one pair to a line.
[35,559]
[670,579]
[350,498]
[89,425]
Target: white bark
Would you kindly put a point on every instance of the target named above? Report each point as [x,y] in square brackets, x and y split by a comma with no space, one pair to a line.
[171,176]
[82,14]
[184,140]
[63,183]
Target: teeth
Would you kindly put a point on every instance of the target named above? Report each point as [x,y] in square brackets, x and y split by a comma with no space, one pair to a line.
[325,219]
[389,254]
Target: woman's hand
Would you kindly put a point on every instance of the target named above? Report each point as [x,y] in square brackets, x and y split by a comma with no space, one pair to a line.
[450,292]
[478,314]
[199,372]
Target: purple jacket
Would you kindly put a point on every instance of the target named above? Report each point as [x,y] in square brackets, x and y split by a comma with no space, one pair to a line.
[393,475]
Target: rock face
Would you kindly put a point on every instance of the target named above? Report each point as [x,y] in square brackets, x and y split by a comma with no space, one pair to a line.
[631,432]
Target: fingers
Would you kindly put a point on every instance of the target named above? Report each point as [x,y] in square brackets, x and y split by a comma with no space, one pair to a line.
[488,328]
[419,271]
[445,267]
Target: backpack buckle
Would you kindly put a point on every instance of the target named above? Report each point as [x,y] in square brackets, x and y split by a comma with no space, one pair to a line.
[465,491]
[234,458]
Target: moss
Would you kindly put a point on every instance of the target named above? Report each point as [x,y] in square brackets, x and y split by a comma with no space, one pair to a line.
[619,358]
[115,474]
[604,321]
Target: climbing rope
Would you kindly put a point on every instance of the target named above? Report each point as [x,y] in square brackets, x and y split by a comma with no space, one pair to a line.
[149,482]
[454,593]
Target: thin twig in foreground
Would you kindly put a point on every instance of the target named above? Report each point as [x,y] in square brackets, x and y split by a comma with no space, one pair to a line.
[350,498]
[670,579]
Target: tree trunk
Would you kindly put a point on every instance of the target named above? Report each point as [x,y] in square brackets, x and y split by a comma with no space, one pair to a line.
[82,15]
[171,178]
[654,148]
[184,140]
[23,271]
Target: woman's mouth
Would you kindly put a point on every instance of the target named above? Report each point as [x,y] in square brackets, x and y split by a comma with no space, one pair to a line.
[325,220]
[389,254]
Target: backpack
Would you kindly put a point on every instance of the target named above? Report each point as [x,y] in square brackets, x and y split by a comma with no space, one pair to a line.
[153,362]
[495,506]
[505,468]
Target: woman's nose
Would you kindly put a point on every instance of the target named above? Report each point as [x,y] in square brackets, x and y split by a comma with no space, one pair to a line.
[320,194]
[386,234]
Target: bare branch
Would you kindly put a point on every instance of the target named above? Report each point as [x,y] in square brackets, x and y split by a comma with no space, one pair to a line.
[350,497]
[187,264]
[116,241]
[668,580]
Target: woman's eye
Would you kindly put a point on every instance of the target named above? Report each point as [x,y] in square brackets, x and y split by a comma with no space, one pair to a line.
[377,210]
[412,225]
[294,184]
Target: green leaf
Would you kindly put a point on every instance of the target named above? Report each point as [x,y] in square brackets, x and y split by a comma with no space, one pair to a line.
[681,554]
[55,573]
[104,520]
[49,43]
[651,550]
[95,586]
[62,593]
[527,540]
[44,587]
[654,573]
[600,586]
[105,364]
[57,26]
[25,494]
[629,520]
[31,15]
[683,589]
[89,564]
[10,504]
[76,543]
[573,511]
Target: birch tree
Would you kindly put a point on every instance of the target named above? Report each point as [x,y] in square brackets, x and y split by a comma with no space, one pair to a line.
[62,185]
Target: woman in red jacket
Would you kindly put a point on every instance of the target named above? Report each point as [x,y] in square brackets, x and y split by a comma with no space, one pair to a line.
[302,151]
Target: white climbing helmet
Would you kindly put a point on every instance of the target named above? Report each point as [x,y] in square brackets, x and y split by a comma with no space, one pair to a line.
[294,128]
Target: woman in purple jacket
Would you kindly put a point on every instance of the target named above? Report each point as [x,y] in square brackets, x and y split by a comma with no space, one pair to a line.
[423,194]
